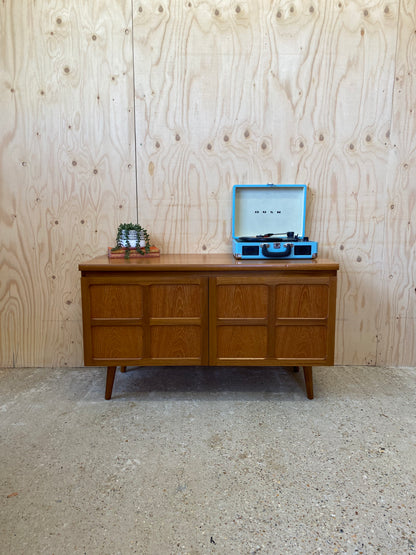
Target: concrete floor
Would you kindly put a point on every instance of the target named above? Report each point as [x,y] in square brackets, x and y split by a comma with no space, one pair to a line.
[208,461]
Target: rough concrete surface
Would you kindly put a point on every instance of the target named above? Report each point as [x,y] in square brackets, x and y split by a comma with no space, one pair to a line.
[208,461]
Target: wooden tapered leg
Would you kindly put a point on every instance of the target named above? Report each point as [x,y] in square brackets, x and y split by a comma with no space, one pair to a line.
[307,371]
[123,369]
[111,372]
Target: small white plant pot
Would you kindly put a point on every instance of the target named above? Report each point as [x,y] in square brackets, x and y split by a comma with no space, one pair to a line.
[129,239]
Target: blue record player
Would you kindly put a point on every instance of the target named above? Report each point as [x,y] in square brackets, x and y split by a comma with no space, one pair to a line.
[269,222]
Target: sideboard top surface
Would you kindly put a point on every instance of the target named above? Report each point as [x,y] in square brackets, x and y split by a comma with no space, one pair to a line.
[202,262]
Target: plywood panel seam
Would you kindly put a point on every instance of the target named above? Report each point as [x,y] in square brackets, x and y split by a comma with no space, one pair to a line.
[136,172]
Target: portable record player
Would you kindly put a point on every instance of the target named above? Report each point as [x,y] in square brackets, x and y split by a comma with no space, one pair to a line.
[269,222]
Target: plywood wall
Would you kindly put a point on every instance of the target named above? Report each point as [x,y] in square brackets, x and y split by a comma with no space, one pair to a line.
[66,165]
[397,325]
[282,92]
[196,96]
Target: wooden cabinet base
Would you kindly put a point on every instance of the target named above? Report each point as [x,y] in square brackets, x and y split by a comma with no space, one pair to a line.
[208,310]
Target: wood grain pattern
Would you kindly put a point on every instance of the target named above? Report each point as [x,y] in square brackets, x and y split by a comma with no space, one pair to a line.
[242,301]
[226,92]
[115,342]
[301,342]
[397,328]
[108,301]
[348,115]
[241,342]
[275,92]
[302,301]
[66,165]
[176,342]
[175,300]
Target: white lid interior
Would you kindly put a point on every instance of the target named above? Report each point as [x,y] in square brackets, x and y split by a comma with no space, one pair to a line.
[269,209]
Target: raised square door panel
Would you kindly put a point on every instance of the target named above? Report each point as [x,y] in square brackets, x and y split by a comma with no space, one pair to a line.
[180,300]
[111,300]
[303,300]
[241,342]
[117,341]
[241,300]
[301,342]
[175,343]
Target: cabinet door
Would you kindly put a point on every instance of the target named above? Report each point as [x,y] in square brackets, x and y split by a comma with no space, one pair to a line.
[145,320]
[272,320]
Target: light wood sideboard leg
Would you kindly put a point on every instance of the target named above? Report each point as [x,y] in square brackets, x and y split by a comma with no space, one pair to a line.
[123,369]
[111,372]
[307,372]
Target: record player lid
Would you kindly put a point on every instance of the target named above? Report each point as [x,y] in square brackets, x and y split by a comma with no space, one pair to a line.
[261,209]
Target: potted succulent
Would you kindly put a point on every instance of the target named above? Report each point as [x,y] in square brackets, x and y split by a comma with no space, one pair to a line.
[132,236]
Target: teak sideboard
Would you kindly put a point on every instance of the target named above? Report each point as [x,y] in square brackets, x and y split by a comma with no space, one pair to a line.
[209,310]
